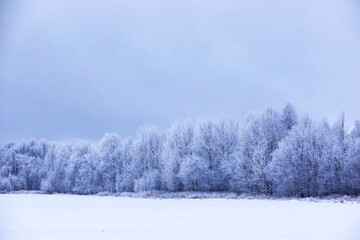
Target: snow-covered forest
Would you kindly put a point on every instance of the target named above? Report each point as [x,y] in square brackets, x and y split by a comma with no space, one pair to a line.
[272,153]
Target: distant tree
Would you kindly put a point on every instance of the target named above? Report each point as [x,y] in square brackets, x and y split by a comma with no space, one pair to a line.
[351,166]
[227,136]
[213,143]
[109,152]
[58,158]
[351,178]
[79,175]
[194,174]
[340,152]
[8,167]
[207,150]
[295,167]
[288,117]
[146,163]
[258,140]
[355,133]
[177,147]
[126,175]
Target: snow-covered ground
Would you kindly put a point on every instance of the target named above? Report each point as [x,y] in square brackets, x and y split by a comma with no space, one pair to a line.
[67,217]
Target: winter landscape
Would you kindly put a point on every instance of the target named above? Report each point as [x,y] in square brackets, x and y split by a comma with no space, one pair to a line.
[179,119]
[142,185]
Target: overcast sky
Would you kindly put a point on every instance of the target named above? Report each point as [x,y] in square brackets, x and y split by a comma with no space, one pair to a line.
[77,69]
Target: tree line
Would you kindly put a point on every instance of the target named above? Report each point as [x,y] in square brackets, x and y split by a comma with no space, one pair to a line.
[272,153]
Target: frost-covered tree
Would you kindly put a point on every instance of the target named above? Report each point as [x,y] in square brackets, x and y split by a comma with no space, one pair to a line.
[227,136]
[30,157]
[81,168]
[288,117]
[323,148]
[206,149]
[177,147]
[125,175]
[194,174]
[8,167]
[351,166]
[215,143]
[294,169]
[355,133]
[340,152]
[146,164]
[258,140]
[351,178]
[57,160]
[109,152]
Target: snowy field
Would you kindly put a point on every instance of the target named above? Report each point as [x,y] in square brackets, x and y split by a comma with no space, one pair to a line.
[48,217]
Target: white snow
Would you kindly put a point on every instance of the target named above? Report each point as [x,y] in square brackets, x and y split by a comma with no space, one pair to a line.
[67,217]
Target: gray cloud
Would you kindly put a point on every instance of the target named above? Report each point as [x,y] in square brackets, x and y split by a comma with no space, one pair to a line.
[76,69]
